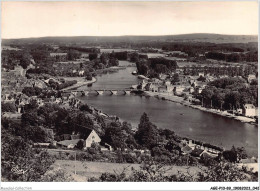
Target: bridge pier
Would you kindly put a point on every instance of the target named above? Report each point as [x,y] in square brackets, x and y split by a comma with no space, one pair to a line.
[86,93]
[99,92]
[114,92]
[83,93]
[127,92]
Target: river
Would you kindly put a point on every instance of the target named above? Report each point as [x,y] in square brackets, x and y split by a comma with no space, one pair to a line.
[184,120]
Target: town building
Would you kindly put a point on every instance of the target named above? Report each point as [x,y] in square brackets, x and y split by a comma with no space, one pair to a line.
[249,110]
[151,87]
[201,74]
[178,89]
[162,89]
[251,77]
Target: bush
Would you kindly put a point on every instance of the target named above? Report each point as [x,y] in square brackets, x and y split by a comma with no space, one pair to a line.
[32,91]
[88,77]
[80,144]
[8,107]
[130,157]
[66,84]
[85,107]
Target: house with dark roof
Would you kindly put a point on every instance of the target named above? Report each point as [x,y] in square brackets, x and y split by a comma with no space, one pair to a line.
[70,144]
[70,141]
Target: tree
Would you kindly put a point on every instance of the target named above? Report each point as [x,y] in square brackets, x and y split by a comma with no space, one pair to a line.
[34,133]
[8,107]
[142,67]
[115,136]
[222,172]
[78,123]
[92,56]
[160,68]
[154,172]
[73,55]
[25,61]
[80,144]
[30,118]
[176,78]
[230,155]
[85,107]
[20,162]
[88,76]
[32,91]
[147,133]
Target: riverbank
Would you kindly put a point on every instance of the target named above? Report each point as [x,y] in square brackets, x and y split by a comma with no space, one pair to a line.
[81,81]
[110,69]
[180,100]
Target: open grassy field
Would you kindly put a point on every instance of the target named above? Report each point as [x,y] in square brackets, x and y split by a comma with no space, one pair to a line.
[82,171]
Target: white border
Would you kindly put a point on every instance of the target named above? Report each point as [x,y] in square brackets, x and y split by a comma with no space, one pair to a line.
[124,185]
[129,185]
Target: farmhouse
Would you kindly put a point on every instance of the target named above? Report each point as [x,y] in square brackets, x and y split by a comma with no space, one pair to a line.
[91,137]
[70,144]
[70,141]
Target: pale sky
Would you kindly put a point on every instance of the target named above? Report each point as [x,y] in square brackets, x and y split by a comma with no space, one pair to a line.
[37,19]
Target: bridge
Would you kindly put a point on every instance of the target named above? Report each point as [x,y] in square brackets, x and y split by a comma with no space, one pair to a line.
[99,91]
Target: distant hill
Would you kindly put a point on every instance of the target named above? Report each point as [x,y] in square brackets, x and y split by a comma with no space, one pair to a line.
[197,37]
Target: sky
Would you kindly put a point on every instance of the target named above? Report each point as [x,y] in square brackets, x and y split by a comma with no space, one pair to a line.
[38,19]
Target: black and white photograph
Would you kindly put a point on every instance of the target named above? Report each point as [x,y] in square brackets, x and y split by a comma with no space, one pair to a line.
[129,91]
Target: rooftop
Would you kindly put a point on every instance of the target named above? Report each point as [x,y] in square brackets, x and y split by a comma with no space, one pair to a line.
[249,106]
[69,142]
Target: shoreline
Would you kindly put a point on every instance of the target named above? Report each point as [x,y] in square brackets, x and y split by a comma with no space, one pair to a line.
[80,82]
[110,69]
[180,100]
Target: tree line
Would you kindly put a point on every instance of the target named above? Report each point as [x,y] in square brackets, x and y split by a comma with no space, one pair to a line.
[155,66]
[229,93]
[233,57]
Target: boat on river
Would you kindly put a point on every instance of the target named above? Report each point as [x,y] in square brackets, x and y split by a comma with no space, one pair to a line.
[134,72]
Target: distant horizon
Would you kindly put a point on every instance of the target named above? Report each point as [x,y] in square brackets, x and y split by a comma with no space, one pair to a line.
[130,35]
[65,19]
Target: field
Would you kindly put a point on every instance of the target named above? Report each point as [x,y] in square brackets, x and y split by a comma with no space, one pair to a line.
[108,50]
[82,171]
[9,48]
